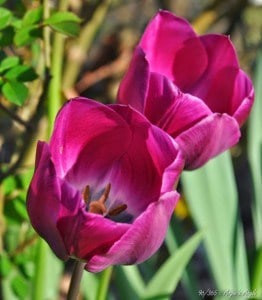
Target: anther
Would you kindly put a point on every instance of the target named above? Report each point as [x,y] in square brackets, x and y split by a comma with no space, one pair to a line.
[117,210]
[98,206]
[86,194]
[105,195]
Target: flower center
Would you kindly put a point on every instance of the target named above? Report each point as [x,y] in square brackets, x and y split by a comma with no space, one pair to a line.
[98,206]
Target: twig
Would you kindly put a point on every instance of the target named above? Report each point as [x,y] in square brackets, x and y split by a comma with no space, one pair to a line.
[29,134]
[15,117]
[117,66]
[20,248]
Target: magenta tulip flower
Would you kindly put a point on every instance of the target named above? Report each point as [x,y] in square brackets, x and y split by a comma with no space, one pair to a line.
[103,188]
[190,86]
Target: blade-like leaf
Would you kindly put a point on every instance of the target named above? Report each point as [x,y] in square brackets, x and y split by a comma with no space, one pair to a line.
[89,285]
[212,198]
[166,279]
[255,152]
[174,238]
[255,159]
[48,273]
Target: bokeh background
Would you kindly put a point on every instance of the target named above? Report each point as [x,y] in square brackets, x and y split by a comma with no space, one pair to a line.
[92,64]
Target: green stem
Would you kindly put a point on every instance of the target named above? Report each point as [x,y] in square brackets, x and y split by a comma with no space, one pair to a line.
[102,291]
[257,274]
[53,104]
[46,34]
[57,59]
[39,282]
[77,52]
[75,280]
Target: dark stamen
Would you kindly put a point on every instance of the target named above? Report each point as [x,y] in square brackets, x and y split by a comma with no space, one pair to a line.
[98,206]
[86,194]
[117,210]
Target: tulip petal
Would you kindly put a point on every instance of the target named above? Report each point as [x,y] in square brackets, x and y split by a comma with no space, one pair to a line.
[243,97]
[208,138]
[44,199]
[133,87]
[92,234]
[142,239]
[215,85]
[173,49]
[144,164]
[132,149]
[162,93]
[170,109]
[86,124]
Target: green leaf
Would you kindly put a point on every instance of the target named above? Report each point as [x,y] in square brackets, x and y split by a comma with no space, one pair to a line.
[5,265]
[48,270]
[67,28]
[2,2]
[9,185]
[212,198]
[5,18]
[16,92]
[26,35]
[175,238]
[164,282]
[15,210]
[20,286]
[64,22]
[6,36]
[16,22]
[33,16]
[255,159]
[8,63]
[21,73]
[2,55]
[255,152]
[62,16]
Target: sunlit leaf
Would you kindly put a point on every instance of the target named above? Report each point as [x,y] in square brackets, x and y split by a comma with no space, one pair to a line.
[60,17]
[33,16]
[20,286]
[26,35]
[16,92]
[255,159]
[164,282]
[212,197]
[5,18]
[21,73]
[64,22]
[5,265]
[47,273]
[8,63]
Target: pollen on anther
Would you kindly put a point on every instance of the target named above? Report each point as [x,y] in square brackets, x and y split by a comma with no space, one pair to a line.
[86,194]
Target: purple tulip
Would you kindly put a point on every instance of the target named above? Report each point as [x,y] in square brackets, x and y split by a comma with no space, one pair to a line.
[102,191]
[190,86]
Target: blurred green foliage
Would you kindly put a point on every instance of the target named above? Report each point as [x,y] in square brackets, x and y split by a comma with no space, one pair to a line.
[96,40]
